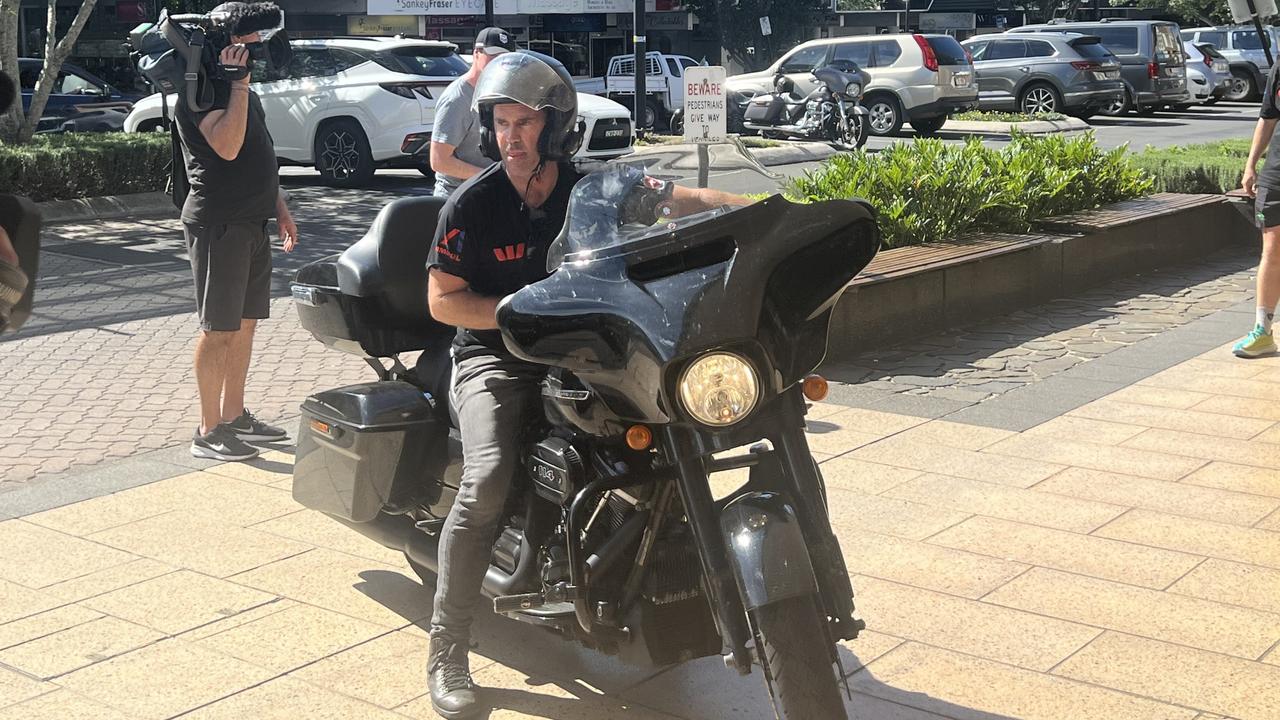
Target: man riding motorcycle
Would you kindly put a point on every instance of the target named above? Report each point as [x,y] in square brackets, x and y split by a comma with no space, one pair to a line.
[492,240]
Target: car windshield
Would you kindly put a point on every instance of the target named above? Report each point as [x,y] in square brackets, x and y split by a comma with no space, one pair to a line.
[422,60]
[1168,44]
[607,208]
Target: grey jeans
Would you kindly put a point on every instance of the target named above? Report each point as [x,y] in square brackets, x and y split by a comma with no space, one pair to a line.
[494,396]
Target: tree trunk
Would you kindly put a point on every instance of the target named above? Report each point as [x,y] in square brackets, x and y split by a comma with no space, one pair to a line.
[12,120]
[55,52]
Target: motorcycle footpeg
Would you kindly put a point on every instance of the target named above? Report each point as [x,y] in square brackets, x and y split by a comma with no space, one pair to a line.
[430,526]
[514,603]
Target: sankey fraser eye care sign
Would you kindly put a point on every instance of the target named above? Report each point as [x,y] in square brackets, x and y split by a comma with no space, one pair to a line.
[705,105]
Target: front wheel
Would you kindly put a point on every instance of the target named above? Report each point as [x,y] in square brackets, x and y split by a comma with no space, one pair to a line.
[342,154]
[928,126]
[850,133]
[794,646]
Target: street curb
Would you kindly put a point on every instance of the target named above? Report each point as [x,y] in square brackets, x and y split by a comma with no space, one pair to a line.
[787,154]
[108,207]
[1006,129]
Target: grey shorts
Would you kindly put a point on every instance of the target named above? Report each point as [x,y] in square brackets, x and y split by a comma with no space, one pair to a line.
[1266,207]
[231,265]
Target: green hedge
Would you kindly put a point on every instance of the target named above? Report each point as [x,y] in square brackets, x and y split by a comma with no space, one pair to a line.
[926,191]
[1001,116]
[1208,168]
[76,165]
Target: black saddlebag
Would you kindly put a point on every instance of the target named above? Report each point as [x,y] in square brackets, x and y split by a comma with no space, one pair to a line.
[764,109]
[361,446]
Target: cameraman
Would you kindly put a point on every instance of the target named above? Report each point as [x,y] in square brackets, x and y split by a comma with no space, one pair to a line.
[234,179]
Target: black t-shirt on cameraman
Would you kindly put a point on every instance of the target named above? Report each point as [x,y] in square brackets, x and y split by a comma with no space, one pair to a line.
[228,191]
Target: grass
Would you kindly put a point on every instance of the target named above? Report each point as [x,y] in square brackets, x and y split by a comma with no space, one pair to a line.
[1213,167]
[1009,117]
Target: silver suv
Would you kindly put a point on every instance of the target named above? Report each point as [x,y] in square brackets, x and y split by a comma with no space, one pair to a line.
[1243,51]
[1050,72]
[920,79]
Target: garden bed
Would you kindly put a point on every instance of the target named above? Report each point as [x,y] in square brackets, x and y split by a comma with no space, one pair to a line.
[85,165]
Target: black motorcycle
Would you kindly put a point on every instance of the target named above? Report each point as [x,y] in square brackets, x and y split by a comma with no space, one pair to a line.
[832,113]
[675,352]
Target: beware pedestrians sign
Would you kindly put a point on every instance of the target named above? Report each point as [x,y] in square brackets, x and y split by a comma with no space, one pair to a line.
[704,105]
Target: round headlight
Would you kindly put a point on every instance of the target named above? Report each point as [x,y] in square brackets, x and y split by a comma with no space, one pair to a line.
[719,389]
[853,89]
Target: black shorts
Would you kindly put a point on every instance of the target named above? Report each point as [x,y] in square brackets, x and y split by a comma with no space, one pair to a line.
[1266,207]
[231,265]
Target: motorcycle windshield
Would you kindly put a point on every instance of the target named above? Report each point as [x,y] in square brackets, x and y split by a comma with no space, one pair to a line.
[650,271]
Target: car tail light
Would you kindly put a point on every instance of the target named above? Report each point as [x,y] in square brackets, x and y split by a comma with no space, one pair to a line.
[1208,61]
[1153,71]
[930,57]
[407,89]
[1086,65]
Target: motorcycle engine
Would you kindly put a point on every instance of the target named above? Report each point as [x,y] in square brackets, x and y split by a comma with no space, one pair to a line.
[813,114]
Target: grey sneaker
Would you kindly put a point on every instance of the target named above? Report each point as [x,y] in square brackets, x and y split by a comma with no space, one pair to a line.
[221,443]
[251,429]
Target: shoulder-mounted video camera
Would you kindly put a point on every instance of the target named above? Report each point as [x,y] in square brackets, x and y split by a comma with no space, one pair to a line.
[182,53]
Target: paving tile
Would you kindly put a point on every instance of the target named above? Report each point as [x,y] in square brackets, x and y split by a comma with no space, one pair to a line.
[837,441]
[1269,436]
[244,617]
[1219,367]
[968,688]
[1082,429]
[1159,396]
[387,671]
[997,633]
[1199,537]
[873,422]
[364,589]
[848,473]
[1173,419]
[1178,674]
[1270,522]
[954,434]
[291,638]
[45,623]
[1127,458]
[200,543]
[1141,611]
[226,499]
[1061,550]
[994,414]
[1184,380]
[15,687]
[62,556]
[60,705]
[266,469]
[316,528]
[1207,447]
[888,516]
[1235,583]
[193,676]
[95,514]
[1239,478]
[924,565]
[858,653]
[924,456]
[17,602]
[104,581]
[1170,497]
[1010,503]
[1239,407]
[76,647]
[178,601]
[288,699]
[820,410]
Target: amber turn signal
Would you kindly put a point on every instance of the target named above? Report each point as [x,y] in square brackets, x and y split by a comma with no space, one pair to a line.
[639,437]
[814,387]
[320,427]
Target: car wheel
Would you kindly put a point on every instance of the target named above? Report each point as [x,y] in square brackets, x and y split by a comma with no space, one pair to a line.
[1039,98]
[1241,87]
[652,113]
[884,114]
[156,125]
[1119,106]
[928,126]
[677,122]
[342,154]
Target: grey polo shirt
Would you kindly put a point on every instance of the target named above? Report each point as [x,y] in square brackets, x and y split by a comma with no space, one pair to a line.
[458,125]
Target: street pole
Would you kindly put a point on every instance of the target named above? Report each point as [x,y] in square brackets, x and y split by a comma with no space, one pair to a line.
[1262,37]
[488,13]
[642,65]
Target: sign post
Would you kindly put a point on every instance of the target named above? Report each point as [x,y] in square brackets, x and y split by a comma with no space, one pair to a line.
[705,106]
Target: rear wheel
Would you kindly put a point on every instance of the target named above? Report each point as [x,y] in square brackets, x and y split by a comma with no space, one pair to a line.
[342,154]
[794,646]
[1241,87]
[884,114]
[928,126]
[1119,106]
[1039,98]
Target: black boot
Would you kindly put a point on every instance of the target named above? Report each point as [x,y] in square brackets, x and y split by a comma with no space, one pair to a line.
[449,678]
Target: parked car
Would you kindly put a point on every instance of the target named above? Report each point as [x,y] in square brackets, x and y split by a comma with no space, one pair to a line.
[352,105]
[80,101]
[1242,48]
[921,79]
[664,84]
[1151,60]
[1052,72]
[1209,76]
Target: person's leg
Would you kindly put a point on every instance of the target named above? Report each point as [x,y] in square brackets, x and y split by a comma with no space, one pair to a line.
[211,371]
[257,306]
[1260,340]
[239,351]
[1269,271]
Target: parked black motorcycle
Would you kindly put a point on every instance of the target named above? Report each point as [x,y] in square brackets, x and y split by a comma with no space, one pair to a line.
[671,349]
[832,112]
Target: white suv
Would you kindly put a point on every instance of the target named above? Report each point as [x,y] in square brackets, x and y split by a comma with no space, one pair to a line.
[352,105]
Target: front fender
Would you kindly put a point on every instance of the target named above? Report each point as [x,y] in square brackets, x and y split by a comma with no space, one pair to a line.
[766,547]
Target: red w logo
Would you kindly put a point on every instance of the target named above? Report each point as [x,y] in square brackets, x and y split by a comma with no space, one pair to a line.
[510,252]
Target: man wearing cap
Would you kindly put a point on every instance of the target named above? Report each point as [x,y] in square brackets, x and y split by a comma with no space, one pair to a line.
[455,139]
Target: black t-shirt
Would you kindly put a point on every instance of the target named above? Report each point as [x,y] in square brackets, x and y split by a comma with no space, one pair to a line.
[228,191]
[1270,175]
[490,238]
